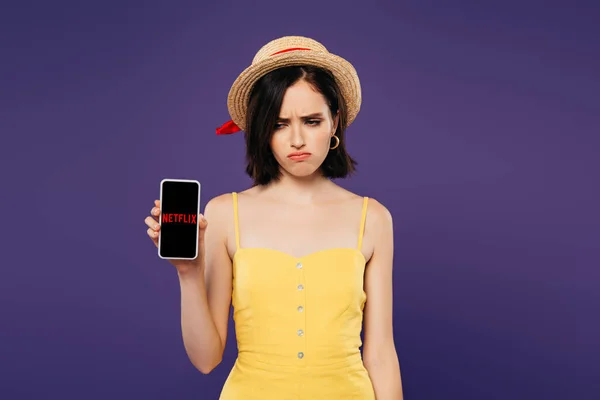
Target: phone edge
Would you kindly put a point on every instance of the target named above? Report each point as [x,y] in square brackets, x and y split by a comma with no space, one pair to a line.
[197,214]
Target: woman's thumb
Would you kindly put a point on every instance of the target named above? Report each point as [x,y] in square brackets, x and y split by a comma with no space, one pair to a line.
[202,222]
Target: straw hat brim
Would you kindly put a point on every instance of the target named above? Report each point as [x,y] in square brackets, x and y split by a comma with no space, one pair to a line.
[344,73]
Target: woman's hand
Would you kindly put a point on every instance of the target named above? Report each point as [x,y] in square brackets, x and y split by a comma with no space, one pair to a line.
[153,231]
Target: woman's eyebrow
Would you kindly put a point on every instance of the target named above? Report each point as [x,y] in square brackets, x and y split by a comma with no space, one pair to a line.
[305,117]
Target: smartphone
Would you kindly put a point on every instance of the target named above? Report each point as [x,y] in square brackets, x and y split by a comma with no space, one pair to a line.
[179,209]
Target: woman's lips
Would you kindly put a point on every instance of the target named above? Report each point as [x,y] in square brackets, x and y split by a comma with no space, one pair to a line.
[298,156]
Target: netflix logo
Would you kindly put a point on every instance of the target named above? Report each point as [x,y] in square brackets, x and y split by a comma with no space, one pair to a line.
[178,218]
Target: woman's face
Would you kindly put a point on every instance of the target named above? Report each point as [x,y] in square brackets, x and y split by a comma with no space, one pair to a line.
[302,135]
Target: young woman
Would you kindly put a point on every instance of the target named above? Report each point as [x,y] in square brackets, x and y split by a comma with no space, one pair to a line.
[299,257]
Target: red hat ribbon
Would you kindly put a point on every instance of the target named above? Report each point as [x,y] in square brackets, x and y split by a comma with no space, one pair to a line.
[228,128]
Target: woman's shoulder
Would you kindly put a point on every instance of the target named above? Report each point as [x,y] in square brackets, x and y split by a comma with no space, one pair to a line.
[375,209]
[220,199]
[219,206]
[348,195]
[224,202]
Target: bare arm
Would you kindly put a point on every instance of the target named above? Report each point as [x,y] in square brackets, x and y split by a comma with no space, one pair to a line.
[206,291]
[379,351]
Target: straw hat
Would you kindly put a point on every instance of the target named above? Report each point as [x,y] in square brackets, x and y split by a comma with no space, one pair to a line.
[286,51]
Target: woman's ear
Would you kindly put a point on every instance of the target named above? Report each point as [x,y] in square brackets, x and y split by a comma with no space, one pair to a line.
[336,120]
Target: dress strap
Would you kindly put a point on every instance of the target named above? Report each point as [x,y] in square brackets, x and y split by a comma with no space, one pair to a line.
[362,223]
[235,220]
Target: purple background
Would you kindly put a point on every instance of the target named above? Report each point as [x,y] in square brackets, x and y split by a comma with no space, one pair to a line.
[479,131]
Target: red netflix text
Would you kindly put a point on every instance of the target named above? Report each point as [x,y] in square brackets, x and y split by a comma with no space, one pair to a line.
[179,218]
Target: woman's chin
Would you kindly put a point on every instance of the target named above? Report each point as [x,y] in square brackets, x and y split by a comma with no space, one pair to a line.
[301,171]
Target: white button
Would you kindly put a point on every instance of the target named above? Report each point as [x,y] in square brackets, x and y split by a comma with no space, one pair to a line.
[300,355]
[300,308]
[300,332]
[299,265]
[300,287]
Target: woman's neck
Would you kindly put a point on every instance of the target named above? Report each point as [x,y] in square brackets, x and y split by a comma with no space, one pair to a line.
[304,190]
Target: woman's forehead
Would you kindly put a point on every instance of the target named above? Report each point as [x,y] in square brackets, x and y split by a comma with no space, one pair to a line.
[302,101]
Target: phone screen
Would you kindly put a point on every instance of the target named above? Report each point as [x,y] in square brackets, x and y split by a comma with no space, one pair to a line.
[180,206]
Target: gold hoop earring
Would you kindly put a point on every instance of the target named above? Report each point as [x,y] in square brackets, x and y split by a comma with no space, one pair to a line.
[337,142]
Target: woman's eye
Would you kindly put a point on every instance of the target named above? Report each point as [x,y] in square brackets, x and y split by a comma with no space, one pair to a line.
[314,122]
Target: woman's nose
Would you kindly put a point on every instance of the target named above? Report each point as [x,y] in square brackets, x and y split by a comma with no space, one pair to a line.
[297,138]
